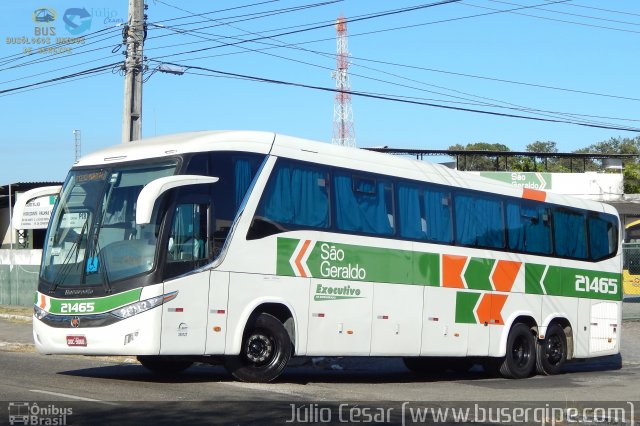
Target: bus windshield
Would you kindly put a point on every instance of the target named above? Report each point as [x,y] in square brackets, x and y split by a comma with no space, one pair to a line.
[93,238]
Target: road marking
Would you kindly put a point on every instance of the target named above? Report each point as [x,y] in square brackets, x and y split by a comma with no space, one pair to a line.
[79,398]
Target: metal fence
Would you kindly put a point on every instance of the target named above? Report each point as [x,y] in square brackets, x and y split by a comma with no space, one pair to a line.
[19,276]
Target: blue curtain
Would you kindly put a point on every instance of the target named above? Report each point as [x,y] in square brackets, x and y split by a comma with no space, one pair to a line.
[598,238]
[363,210]
[243,175]
[297,196]
[569,234]
[527,229]
[410,218]
[479,221]
[437,205]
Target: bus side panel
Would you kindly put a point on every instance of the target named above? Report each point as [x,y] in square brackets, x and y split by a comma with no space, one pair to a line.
[218,312]
[340,317]
[559,307]
[184,319]
[397,319]
[441,334]
[248,291]
[599,328]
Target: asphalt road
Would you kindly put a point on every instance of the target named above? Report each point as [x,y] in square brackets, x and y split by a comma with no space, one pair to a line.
[119,391]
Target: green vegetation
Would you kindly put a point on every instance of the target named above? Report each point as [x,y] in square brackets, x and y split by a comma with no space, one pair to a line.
[631,166]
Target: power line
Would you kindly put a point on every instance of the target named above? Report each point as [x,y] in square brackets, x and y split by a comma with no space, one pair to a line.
[372,16]
[296,46]
[213,12]
[244,17]
[78,51]
[18,56]
[571,14]
[396,99]
[554,19]
[603,10]
[70,80]
[64,77]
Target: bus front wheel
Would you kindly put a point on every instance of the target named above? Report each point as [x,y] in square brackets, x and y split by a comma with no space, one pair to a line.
[520,359]
[266,350]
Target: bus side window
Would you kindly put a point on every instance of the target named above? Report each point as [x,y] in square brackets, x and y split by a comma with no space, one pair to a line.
[479,220]
[363,204]
[295,197]
[569,234]
[188,240]
[603,237]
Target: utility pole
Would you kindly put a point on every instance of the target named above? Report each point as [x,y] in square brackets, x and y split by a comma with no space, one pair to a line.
[134,35]
[77,146]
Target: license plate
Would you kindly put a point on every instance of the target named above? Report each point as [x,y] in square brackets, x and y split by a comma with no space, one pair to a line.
[76,341]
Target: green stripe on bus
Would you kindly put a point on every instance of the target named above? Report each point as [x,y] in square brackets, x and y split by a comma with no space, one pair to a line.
[478,272]
[94,306]
[532,278]
[572,282]
[319,259]
[465,304]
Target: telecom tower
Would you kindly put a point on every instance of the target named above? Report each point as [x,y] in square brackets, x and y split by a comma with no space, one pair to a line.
[343,130]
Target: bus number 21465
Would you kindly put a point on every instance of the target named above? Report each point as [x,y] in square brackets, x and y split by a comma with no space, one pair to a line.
[596,285]
[67,308]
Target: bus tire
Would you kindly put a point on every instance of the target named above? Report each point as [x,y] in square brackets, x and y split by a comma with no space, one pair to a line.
[265,352]
[520,359]
[551,353]
[164,364]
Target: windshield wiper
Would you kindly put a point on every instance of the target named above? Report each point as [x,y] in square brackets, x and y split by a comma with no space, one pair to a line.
[102,267]
[65,266]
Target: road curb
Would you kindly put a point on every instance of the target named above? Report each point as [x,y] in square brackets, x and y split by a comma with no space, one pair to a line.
[15,317]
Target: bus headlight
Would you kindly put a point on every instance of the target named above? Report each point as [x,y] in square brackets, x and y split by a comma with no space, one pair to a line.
[39,313]
[143,305]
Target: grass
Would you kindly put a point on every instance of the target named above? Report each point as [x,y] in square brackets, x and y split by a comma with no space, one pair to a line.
[26,311]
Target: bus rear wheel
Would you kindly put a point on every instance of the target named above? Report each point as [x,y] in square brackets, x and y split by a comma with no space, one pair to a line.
[552,351]
[266,350]
[164,364]
[520,359]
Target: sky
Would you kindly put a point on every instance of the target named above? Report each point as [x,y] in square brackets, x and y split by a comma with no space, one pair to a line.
[482,55]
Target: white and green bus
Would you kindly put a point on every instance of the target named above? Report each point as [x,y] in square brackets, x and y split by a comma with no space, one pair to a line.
[253,247]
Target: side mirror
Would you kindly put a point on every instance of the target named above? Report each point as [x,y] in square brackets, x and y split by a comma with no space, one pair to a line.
[154,189]
[24,199]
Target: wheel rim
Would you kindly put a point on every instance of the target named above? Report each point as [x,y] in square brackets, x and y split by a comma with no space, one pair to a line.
[259,349]
[554,350]
[521,352]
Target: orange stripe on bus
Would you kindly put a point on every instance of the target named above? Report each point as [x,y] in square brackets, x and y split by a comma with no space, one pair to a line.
[303,250]
[489,309]
[43,301]
[504,276]
[452,267]
[534,194]
[497,303]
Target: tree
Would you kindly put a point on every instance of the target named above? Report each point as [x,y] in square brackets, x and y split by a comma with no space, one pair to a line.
[631,166]
[479,162]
